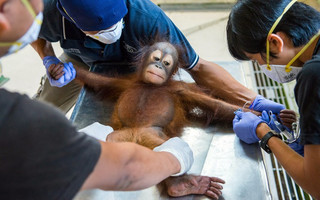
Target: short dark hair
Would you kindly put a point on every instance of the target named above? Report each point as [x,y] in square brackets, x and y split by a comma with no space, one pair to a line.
[250,21]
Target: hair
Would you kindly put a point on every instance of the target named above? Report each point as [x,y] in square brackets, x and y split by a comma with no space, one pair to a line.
[250,21]
[146,43]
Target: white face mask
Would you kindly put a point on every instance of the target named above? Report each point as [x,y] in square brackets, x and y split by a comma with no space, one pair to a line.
[283,73]
[278,73]
[109,36]
[30,36]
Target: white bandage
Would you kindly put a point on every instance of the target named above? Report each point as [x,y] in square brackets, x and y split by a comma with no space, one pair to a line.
[181,150]
[97,131]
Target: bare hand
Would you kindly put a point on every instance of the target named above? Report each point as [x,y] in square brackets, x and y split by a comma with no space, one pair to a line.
[287,117]
[56,70]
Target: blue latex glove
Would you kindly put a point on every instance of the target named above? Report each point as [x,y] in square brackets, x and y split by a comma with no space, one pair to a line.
[245,125]
[260,104]
[277,128]
[67,77]
[265,117]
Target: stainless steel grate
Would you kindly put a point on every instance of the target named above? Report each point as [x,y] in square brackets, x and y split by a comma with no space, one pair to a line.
[284,186]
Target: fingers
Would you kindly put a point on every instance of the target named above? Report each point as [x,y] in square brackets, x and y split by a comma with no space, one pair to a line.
[238,114]
[287,120]
[214,193]
[218,180]
[287,117]
[287,111]
[67,71]
[72,70]
[56,71]
[265,116]
[214,190]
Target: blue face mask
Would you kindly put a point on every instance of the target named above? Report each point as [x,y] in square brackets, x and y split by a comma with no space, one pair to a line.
[30,36]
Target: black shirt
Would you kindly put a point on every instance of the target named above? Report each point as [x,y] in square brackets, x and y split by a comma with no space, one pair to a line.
[42,156]
[307,94]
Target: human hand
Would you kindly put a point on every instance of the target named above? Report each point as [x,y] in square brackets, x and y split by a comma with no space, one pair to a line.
[280,122]
[272,121]
[181,150]
[287,117]
[245,125]
[59,74]
[97,130]
[260,104]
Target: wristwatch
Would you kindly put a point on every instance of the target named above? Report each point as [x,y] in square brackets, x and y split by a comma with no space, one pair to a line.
[263,143]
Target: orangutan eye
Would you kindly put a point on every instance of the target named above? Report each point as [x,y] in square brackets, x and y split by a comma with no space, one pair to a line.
[166,63]
[155,58]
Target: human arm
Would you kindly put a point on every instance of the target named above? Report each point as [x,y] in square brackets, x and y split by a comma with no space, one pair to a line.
[304,170]
[221,83]
[128,166]
[58,73]
[43,48]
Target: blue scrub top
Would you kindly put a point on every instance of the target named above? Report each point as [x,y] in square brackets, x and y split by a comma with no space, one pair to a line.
[143,21]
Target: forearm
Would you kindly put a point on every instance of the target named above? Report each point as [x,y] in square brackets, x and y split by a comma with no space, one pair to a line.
[128,166]
[148,168]
[304,170]
[43,48]
[221,83]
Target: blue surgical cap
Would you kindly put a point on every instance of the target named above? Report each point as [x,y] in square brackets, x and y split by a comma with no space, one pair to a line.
[93,15]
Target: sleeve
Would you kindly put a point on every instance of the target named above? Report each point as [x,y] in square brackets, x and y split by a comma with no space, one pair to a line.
[307,93]
[51,28]
[44,154]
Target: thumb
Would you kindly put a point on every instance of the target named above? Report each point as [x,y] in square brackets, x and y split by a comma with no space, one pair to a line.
[238,114]
[265,116]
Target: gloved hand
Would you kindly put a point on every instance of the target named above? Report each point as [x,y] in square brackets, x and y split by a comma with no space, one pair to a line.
[97,130]
[265,117]
[67,77]
[245,125]
[181,150]
[260,103]
[297,147]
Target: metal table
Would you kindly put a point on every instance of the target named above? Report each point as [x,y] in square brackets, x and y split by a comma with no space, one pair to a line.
[217,151]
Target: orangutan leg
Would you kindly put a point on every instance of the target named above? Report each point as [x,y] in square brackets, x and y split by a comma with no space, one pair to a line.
[191,184]
[148,137]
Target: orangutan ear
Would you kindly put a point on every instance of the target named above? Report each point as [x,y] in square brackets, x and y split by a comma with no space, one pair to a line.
[275,43]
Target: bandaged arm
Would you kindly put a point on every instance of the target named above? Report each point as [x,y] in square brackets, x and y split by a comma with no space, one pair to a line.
[97,130]
[180,150]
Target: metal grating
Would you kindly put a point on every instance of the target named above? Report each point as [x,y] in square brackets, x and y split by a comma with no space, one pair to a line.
[284,186]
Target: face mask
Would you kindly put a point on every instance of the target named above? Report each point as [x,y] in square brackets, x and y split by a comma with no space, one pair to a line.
[278,73]
[109,36]
[283,73]
[30,36]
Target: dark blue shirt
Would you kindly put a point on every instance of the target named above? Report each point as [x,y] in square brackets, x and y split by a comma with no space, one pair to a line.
[307,93]
[143,22]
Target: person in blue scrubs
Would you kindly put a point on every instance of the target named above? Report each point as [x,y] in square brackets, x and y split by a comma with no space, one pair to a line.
[107,32]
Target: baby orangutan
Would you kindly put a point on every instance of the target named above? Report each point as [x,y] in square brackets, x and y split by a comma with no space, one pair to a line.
[151,107]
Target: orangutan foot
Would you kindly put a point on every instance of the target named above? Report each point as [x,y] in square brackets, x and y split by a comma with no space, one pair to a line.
[190,184]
